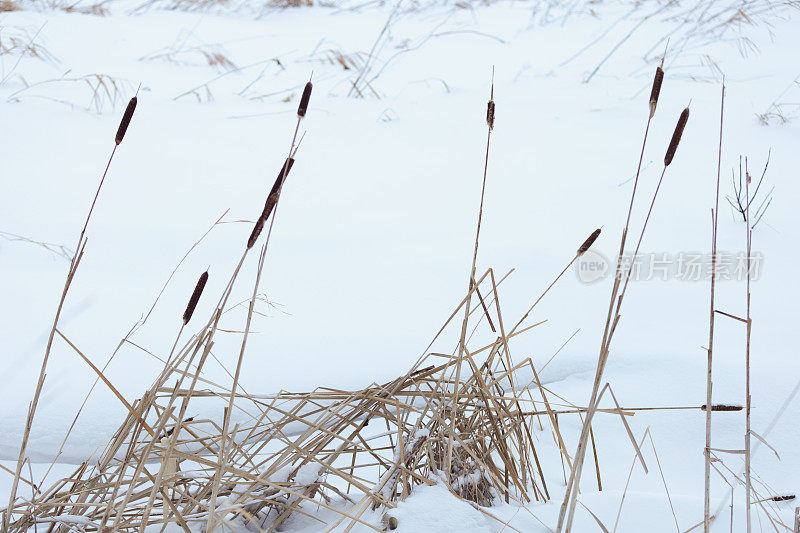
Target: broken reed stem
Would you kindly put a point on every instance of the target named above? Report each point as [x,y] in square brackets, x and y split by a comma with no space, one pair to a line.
[490,113]
[709,384]
[118,137]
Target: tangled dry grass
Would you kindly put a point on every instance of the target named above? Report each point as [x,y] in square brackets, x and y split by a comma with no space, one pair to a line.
[464,419]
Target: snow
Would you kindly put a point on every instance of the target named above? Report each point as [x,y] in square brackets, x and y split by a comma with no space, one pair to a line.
[371,248]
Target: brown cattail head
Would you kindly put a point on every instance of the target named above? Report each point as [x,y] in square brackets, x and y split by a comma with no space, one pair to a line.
[722,407]
[783,498]
[256,231]
[588,242]
[126,120]
[275,193]
[656,90]
[490,115]
[198,290]
[676,137]
[303,107]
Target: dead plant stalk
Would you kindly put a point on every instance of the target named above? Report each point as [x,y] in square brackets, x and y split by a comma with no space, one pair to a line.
[79,249]
[709,383]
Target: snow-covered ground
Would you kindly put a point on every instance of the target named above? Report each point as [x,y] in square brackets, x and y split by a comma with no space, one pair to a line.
[371,248]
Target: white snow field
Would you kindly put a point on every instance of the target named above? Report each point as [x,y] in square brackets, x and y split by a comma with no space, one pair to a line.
[371,250]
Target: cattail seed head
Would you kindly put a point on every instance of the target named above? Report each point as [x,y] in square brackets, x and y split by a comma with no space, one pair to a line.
[275,193]
[588,242]
[256,231]
[783,498]
[303,107]
[722,407]
[676,137]
[490,114]
[656,90]
[126,120]
[198,290]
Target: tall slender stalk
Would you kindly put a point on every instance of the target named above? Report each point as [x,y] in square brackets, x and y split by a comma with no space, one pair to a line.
[580,454]
[570,499]
[709,384]
[73,267]
[748,481]
[462,341]
[270,207]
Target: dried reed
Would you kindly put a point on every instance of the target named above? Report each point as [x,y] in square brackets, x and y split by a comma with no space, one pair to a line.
[79,249]
[569,505]
[710,349]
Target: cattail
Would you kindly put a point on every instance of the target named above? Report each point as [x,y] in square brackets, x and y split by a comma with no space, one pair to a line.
[656,90]
[256,231]
[303,107]
[198,290]
[275,193]
[722,407]
[126,120]
[490,115]
[676,137]
[588,242]
[783,498]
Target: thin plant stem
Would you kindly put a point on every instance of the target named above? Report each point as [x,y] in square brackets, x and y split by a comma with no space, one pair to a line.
[462,339]
[712,314]
[43,371]
[747,477]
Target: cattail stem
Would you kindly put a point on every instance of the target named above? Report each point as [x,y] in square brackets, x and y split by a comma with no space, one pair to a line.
[462,339]
[712,314]
[581,250]
[747,477]
[568,506]
[274,209]
[126,119]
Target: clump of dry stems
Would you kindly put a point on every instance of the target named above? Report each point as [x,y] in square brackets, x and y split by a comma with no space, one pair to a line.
[463,419]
